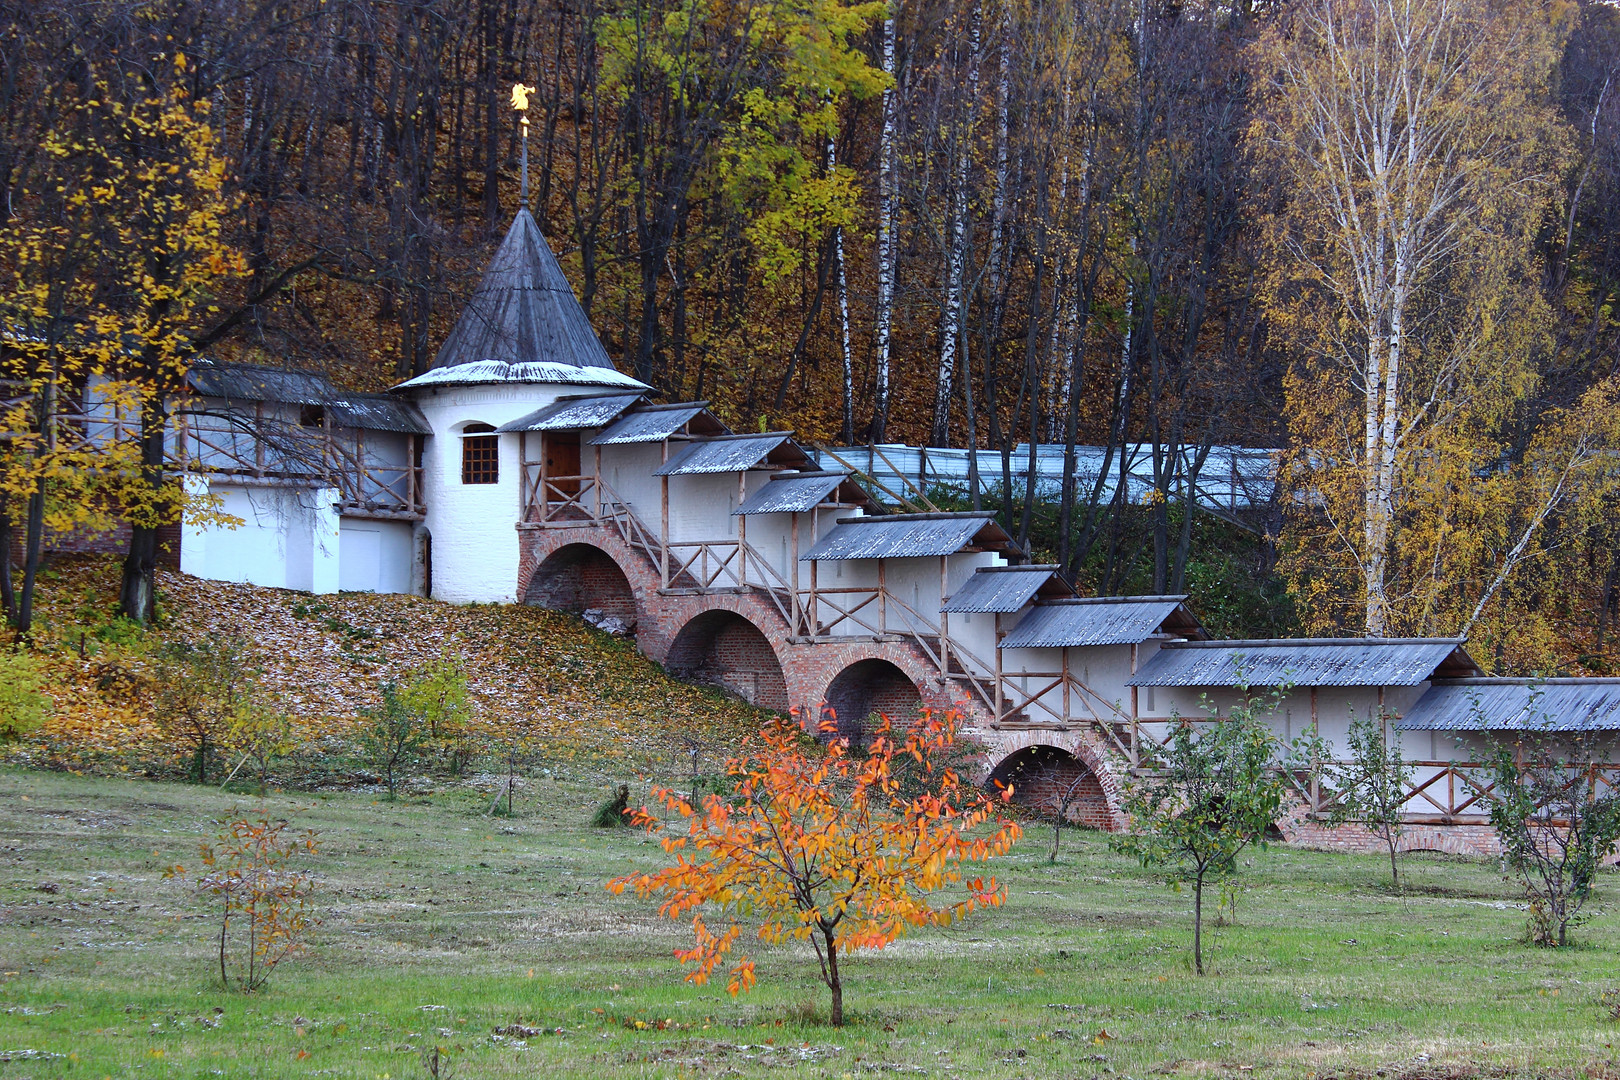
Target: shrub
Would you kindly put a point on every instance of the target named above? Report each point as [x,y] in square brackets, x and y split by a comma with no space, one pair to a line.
[437,694]
[202,690]
[392,736]
[260,733]
[615,812]
[1208,793]
[1556,820]
[23,703]
[1372,786]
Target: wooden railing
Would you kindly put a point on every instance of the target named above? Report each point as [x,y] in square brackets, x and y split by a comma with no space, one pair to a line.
[560,498]
[1440,791]
[262,447]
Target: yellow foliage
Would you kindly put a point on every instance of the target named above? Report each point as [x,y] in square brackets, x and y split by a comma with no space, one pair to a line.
[1411,146]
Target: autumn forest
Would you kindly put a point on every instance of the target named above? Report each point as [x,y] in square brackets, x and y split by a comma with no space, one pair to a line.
[1379,237]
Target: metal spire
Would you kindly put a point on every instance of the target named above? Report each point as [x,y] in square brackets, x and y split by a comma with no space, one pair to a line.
[520,103]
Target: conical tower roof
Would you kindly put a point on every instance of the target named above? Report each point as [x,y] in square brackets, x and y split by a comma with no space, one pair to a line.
[523,311]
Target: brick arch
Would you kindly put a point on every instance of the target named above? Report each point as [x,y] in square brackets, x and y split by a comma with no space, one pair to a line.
[1042,775]
[807,666]
[581,577]
[1008,745]
[721,647]
[871,685]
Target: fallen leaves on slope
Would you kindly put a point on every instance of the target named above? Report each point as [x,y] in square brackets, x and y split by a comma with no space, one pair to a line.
[564,690]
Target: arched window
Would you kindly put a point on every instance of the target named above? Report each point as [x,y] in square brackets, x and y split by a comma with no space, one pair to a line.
[480,455]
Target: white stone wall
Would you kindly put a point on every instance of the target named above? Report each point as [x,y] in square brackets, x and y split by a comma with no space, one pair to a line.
[288,537]
[376,556]
[1104,669]
[473,526]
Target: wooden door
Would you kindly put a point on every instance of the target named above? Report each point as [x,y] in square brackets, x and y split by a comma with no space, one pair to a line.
[562,464]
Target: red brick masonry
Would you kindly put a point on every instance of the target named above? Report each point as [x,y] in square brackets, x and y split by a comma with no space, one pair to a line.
[736,639]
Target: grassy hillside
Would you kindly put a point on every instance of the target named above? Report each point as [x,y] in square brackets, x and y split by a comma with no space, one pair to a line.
[496,940]
[566,692]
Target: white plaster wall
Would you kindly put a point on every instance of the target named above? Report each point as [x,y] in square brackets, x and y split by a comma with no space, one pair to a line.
[767,535]
[475,541]
[770,535]
[386,456]
[214,441]
[288,538]
[1104,669]
[839,574]
[375,556]
[700,507]
[915,583]
[628,471]
[974,633]
[700,512]
[973,636]
[1335,705]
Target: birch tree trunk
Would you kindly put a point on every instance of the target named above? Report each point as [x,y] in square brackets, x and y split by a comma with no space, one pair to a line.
[847,431]
[888,206]
[956,257]
[1409,135]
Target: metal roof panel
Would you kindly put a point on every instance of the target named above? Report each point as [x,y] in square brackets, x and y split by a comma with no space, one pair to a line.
[1516,705]
[253,382]
[729,453]
[1000,588]
[900,536]
[573,413]
[791,493]
[378,412]
[1112,620]
[1304,662]
[648,423]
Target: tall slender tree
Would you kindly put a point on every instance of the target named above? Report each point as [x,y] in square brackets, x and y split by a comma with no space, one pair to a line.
[1416,150]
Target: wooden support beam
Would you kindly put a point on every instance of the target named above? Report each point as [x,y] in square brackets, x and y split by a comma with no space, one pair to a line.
[258,439]
[814,622]
[663,518]
[1067,713]
[882,599]
[544,496]
[410,472]
[742,531]
[1316,763]
[794,576]
[1000,696]
[326,444]
[1136,723]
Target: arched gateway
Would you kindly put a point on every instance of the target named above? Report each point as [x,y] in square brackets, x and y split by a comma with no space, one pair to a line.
[1050,779]
[867,687]
[721,648]
[582,578]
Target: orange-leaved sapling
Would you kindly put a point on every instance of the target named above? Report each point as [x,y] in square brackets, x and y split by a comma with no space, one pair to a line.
[246,868]
[826,846]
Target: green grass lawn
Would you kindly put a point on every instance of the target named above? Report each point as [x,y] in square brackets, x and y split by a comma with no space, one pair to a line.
[441,925]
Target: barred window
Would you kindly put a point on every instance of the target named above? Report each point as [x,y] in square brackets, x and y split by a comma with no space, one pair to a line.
[480,455]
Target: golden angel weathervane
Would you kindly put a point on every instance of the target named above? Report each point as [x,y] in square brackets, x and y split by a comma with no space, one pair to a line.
[520,104]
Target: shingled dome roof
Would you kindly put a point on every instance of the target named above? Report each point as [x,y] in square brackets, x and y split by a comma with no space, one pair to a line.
[523,324]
